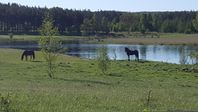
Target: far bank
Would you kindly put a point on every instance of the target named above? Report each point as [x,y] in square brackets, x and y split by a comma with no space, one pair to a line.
[164,38]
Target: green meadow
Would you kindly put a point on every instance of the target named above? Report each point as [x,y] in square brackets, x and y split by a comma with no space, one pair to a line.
[78,86]
[125,38]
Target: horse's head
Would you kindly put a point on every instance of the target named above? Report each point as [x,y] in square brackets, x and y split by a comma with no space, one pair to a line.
[126,49]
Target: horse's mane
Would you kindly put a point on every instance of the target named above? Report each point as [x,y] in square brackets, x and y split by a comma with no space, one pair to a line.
[127,49]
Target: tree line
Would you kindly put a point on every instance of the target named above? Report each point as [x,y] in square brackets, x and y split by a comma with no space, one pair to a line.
[19,19]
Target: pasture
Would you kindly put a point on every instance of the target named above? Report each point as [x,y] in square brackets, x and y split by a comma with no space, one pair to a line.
[79,87]
[164,38]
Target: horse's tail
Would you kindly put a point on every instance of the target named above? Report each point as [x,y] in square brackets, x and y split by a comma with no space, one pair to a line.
[22,56]
[33,55]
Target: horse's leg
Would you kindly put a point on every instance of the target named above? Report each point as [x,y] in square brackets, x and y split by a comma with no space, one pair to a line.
[22,57]
[33,55]
[32,58]
[26,57]
[137,57]
[128,57]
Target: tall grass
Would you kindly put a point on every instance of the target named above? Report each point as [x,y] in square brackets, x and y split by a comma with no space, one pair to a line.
[78,87]
[165,38]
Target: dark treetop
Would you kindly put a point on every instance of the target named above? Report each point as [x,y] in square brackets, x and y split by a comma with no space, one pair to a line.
[20,19]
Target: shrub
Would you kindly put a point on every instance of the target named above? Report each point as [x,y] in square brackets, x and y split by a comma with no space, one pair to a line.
[103,60]
[50,45]
[5,103]
[11,36]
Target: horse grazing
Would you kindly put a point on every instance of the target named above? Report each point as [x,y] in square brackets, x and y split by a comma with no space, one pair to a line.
[132,52]
[27,53]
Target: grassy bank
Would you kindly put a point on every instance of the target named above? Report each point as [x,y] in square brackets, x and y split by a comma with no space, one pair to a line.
[78,87]
[164,38]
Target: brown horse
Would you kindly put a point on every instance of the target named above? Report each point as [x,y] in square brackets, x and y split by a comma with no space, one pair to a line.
[27,53]
[132,52]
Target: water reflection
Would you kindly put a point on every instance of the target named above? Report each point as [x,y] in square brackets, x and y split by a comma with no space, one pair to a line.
[143,52]
[165,53]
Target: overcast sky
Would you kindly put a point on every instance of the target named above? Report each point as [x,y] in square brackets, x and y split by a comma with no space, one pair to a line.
[118,5]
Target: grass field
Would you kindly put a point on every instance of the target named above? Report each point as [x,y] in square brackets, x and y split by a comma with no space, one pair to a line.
[165,38]
[79,87]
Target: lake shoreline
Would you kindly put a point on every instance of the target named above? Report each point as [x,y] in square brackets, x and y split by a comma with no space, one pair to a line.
[179,54]
[142,41]
[158,41]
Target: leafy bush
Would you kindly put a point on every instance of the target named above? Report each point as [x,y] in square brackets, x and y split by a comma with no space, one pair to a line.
[11,36]
[103,60]
[5,103]
[50,45]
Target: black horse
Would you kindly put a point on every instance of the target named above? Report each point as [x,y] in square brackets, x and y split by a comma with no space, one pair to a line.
[27,53]
[132,52]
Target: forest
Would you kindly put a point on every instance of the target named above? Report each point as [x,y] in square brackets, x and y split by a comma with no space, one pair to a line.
[19,19]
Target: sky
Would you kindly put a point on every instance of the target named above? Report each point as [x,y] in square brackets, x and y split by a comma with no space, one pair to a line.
[118,5]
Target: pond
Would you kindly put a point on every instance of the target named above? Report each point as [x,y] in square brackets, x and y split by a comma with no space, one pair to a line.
[179,54]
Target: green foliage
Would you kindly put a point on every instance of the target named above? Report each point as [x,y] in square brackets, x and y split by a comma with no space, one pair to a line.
[50,45]
[168,26]
[103,60]
[69,22]
[129,22]
[97,24]
[145,23]
[5,103]
[195,55]
[86,27]
[183,59]
[11,36]
[195,22]
[146,110]
[105,25]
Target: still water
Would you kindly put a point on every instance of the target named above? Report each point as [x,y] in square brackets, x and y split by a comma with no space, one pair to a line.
[179,54]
